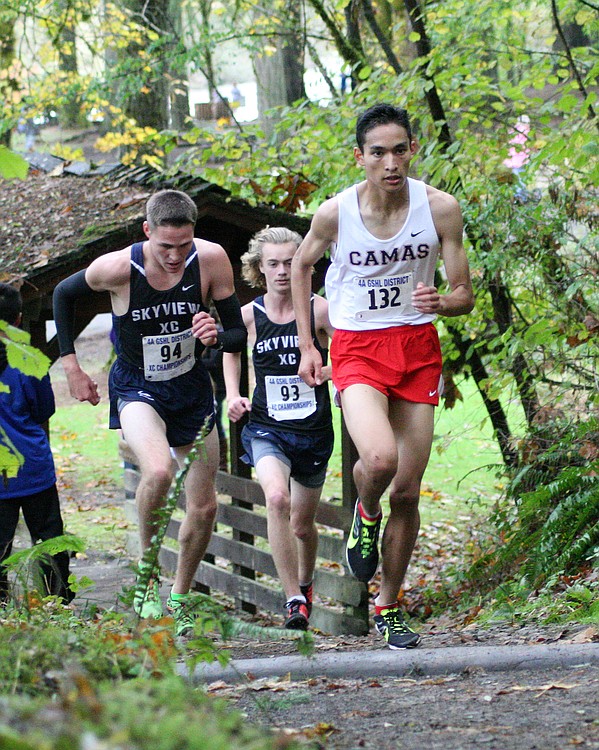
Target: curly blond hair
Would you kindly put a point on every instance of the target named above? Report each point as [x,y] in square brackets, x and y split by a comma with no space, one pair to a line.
[250,261]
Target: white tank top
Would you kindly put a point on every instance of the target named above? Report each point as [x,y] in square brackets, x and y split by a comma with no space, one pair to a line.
[369,282]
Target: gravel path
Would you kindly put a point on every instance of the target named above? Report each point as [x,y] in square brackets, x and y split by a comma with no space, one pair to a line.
[544,709]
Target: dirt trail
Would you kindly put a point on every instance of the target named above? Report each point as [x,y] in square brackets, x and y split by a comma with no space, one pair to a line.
[550,709]
[553,709]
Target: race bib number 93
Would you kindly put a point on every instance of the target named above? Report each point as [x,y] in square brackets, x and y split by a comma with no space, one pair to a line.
[288,397]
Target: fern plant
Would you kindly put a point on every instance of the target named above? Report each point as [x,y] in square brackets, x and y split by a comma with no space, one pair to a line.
[26,566]
[569,536]
[548,525]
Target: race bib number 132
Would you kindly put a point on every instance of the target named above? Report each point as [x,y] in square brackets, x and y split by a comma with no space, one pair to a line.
[383,297]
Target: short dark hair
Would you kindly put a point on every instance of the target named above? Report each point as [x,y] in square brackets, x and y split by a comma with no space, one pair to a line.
[381,114]
[170,208]
[11,304]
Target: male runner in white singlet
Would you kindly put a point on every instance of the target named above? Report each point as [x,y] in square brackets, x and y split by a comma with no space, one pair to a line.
[386,234]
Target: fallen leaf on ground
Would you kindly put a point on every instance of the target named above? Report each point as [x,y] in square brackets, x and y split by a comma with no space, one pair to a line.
[213,687]
[588,635]
[541,689]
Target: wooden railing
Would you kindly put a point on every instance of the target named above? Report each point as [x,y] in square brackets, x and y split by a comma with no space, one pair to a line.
[238,561]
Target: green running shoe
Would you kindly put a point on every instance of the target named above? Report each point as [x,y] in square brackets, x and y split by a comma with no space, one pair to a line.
[362,550]
[146,602]
[184,612]
[395,630]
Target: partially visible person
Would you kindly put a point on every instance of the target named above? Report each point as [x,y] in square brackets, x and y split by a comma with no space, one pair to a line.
[26,404]
[519,152]
[387,234]
[289,436]
[160,391]
[519,156]
[236,96]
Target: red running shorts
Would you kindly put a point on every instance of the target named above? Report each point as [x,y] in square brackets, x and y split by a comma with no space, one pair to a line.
[403,362]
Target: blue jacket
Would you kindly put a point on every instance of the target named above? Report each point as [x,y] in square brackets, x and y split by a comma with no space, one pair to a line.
[23,410]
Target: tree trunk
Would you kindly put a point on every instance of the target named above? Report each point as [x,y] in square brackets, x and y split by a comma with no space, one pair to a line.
[146,98]
[280,75]
[179,88]
[293,49]
[497,415]
[519,368]
[69,114]
[7,53]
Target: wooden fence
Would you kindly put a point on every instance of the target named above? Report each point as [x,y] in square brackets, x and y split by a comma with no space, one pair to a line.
[238,561]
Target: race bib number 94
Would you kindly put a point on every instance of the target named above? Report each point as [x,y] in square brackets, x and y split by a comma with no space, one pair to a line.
[383,297]
[167,357]
[288,397]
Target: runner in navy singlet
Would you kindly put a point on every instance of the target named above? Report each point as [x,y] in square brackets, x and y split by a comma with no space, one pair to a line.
[289,436]
[160,392]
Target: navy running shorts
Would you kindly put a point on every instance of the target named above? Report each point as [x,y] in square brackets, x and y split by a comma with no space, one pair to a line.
[306,455]
[185,404]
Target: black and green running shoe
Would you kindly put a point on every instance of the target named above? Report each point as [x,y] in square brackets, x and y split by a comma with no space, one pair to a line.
[184,610]
[146,601]
[395,630]
[362,550]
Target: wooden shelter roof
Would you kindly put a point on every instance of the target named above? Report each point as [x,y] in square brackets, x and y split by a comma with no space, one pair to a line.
[62,216]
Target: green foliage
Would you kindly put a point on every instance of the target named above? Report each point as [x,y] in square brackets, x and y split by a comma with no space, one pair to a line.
[548,528]
[21,355]
[45,640]
[162,714]
[25,563]
[12,166]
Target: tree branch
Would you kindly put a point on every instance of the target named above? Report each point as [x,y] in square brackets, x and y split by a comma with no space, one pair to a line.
[382,39]
[347,52]
[568,53]
[423,48]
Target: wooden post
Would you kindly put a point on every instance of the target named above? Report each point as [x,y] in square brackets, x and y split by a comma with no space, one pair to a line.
[241,469]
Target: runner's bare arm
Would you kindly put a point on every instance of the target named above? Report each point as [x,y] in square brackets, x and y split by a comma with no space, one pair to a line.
[107,273]
[324,330]
[237,405]
[322,233]
[447,217]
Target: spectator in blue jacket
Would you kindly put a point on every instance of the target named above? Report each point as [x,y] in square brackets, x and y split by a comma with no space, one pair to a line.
[26,403]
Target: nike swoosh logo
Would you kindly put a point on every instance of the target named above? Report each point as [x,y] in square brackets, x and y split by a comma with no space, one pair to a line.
[353,539]
[185,288]
[262,434]
[317,463]
[431,393]
[143,394]
[415,234]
